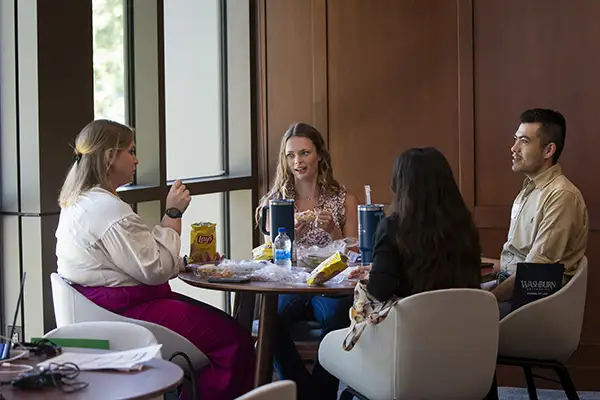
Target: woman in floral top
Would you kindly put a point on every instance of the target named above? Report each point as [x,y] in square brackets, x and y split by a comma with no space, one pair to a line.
[304,173]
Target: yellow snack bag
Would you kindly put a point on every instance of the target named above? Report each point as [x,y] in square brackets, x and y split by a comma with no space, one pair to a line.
[203,240]
[328,269]
[263,252]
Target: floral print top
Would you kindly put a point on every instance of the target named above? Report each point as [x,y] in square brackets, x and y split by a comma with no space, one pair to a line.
[335,203]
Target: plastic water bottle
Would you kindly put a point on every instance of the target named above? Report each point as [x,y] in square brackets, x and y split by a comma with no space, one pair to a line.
[282,246]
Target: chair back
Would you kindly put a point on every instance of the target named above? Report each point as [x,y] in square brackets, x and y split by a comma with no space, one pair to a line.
[120,335]
[440,344]
[548,328]
[272,391]
[446,344]
[70,307]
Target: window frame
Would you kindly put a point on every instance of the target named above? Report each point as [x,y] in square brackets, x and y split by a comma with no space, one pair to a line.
[221,183]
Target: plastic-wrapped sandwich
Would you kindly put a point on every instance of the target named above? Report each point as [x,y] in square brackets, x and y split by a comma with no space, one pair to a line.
[305,216]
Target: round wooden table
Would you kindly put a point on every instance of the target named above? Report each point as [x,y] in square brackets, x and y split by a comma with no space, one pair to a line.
[269,292]
[157,378]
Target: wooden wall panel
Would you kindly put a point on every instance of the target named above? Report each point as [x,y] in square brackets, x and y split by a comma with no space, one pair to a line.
[296,68]
[392,85]
[534,54]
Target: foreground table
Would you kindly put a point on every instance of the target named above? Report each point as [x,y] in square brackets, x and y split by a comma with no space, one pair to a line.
[157,378]
[269,292]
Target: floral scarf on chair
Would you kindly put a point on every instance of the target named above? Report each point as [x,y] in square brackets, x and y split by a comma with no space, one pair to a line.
[366,310]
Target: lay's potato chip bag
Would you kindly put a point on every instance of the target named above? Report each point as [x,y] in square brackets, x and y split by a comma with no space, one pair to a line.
[328,269]
[203,240]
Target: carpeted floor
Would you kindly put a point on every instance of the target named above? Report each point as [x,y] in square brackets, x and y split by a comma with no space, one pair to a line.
[509,393]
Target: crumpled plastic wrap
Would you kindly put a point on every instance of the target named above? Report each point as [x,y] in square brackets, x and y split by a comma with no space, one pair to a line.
[310,257]
[227,269]
[275,273]
[261,271]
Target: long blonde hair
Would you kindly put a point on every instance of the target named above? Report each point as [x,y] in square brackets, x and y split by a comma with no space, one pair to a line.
[96,147]
[283,184]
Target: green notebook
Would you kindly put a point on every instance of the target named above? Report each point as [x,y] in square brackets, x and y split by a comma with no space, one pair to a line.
[99,344]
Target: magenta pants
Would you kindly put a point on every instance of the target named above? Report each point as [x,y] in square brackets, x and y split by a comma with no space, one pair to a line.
[229,349]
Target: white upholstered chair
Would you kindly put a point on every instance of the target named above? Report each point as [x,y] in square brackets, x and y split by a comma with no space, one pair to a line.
[545,333]
[120,335]
[280,390]
[70,307]
[434,345]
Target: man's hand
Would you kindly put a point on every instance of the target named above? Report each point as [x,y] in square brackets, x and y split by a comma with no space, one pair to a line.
[504,291]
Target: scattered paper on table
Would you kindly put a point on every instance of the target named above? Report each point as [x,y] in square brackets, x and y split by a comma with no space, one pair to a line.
[128,360]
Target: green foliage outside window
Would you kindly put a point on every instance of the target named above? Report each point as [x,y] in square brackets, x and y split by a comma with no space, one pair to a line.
[109,59]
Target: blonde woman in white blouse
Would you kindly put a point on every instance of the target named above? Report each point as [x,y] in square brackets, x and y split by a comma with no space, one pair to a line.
[109,255]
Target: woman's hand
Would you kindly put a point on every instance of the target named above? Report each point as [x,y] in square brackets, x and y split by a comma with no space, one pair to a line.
[179,197]
[301,228]
[325,221]
[205,258]
[360,273]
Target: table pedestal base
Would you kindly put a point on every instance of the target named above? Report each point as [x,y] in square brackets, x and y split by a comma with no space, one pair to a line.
[266,339]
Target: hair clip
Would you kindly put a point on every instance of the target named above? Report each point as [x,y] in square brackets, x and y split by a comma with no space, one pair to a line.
[77,157]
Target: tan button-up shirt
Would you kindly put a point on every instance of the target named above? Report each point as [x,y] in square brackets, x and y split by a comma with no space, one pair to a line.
[548,224]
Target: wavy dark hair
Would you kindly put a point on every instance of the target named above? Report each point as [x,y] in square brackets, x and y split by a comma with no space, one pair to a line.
[435,231]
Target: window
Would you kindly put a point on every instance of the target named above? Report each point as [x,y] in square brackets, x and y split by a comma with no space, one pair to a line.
[193,88]
[191,84]
[130,54]
[108,24]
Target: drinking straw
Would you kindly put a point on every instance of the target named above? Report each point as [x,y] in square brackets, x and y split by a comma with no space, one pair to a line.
[368,194]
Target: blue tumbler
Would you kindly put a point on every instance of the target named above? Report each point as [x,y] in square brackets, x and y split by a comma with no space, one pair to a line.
[281,215]
[369,216]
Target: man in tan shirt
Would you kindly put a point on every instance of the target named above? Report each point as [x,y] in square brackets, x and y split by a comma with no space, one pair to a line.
[549,220]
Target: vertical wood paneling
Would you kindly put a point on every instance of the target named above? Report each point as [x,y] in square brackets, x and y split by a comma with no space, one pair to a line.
[393,69]
[320,69]
[296,61]
[466,129]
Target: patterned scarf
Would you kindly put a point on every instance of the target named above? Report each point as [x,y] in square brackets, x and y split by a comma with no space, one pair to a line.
[366,310]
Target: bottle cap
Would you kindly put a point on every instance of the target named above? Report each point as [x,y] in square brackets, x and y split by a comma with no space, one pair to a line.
[280,230]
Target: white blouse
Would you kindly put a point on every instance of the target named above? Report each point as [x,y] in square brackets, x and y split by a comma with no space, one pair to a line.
[100,241]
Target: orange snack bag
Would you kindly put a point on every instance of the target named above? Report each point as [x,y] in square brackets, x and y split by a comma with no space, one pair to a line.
[203,240]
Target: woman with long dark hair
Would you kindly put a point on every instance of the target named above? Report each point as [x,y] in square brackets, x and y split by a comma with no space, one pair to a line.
[429,240]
